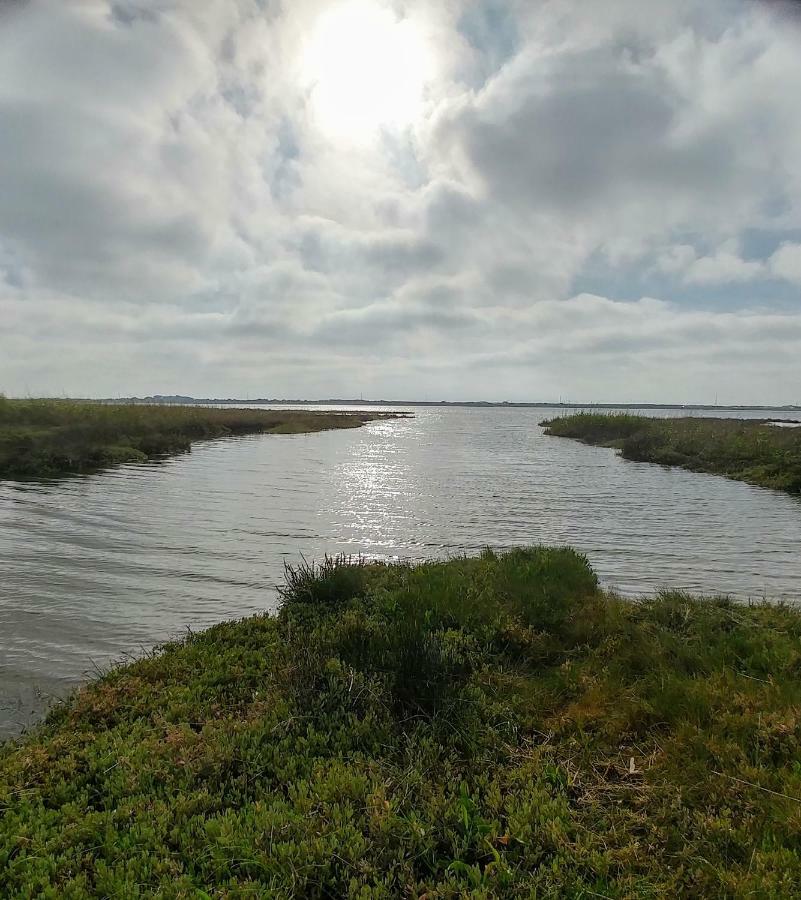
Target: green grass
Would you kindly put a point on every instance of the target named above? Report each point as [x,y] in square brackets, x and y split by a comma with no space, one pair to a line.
[488,727]
[752,451]
[47,438]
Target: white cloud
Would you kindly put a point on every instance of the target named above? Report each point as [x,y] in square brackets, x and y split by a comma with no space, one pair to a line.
[676,259]
[173,216]
[725,266]
[786,262]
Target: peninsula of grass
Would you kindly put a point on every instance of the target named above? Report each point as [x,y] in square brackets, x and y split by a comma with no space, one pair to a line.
[754,451]
[48,438]
[486,727]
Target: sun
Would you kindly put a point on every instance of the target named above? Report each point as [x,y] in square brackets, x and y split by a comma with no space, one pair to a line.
[365,70]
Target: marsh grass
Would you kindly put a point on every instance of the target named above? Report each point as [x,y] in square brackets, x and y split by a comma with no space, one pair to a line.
[47,438]
[752,451]
[483,727]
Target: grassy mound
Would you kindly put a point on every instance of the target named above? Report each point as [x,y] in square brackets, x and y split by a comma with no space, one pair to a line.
[752,451]
[45,438]
[490,727]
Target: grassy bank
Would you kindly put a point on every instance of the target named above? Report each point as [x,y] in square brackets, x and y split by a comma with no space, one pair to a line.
[45,438]
[489,727]
[751,451]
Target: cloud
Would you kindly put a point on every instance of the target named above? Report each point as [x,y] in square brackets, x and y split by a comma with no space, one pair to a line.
[786,262]
[174,217]
[724,267]
[727,266]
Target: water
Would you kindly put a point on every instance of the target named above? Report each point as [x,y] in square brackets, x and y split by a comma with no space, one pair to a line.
[96,567]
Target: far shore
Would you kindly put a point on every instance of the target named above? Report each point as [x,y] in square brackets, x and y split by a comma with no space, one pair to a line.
[754,451]
[51,438]
[479,404]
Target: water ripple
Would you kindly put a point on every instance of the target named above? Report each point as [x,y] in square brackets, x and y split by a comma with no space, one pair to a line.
[94,567]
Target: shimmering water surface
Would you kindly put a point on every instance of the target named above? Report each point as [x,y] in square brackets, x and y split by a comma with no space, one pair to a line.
[96,567]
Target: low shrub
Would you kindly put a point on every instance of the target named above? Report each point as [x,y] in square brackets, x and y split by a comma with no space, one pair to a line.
[490,727]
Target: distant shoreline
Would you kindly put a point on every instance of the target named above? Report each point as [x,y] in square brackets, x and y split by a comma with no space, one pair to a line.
[51,438]
[742,449]
[176,399]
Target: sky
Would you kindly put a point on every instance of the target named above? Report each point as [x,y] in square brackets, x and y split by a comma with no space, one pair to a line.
[432,199]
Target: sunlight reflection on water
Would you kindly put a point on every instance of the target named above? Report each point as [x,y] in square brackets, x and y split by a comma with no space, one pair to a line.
[94,567]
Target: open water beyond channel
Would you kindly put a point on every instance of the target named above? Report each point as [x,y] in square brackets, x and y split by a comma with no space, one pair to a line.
[97,567]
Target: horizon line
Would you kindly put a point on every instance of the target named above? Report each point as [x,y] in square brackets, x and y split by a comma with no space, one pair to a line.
[568,404]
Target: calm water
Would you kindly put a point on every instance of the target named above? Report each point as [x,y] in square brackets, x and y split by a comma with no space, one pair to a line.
[93,568]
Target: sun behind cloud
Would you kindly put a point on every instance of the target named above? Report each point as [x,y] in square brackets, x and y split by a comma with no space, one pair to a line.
[365,70]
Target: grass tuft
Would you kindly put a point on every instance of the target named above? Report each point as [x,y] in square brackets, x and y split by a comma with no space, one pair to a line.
[483,727]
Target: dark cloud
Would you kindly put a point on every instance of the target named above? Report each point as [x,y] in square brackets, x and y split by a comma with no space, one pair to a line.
[128,12]
[590,133]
